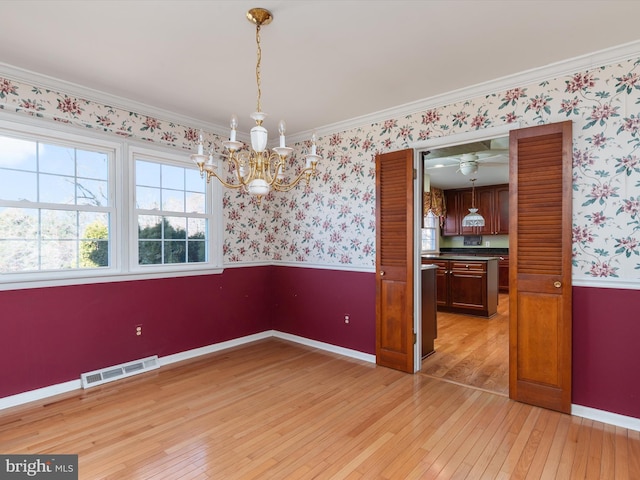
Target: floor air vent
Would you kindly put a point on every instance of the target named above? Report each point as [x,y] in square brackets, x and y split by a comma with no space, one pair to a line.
[109,374]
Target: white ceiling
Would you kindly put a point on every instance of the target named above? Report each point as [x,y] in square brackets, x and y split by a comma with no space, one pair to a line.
[323,61]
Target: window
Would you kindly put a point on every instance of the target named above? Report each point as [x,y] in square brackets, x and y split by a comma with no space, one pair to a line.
[74,210]
[430,233]
[172,217]
[55,206]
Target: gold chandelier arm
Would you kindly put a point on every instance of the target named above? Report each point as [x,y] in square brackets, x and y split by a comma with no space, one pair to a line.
[272,164]
[232,157]
[228,185]
[235,158]
[307,172]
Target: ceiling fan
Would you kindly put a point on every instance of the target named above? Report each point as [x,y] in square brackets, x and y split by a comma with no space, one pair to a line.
[467,162]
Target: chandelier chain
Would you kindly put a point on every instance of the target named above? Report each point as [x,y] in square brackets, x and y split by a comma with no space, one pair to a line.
[259,55]
[473,193]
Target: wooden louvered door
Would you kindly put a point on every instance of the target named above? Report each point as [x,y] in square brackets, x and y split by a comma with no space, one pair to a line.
[540,266]
[394,260]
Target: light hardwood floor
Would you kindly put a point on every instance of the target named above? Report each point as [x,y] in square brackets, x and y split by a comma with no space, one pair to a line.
[472,350]
[273,409]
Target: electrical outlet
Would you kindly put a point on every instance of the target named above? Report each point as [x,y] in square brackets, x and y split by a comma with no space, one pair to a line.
[138,330]
[487,243]
[346,319]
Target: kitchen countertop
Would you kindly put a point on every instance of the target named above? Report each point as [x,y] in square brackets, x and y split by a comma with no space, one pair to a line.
[485,251]
[428,266]
[468,258]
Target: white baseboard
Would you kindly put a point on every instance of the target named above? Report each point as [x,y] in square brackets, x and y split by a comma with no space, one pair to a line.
[45,392]
[347,352]
[216,347]
[603,416]
[50,391]
[39,394]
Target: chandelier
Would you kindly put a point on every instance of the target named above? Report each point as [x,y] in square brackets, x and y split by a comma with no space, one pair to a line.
[473,218]
[256,169]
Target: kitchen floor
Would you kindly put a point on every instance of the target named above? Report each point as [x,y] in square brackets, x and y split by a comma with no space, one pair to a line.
[472,350]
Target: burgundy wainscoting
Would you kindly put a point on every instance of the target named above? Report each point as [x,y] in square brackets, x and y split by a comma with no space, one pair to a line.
[312,303]
[606,349]
[52,335]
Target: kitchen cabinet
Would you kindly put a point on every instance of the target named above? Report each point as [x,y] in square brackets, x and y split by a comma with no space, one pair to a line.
[458,203]
[503,273]
[492,203]
[466,284]
[486,205]
[452,221]
[501,210]
[442,282]
[429,327]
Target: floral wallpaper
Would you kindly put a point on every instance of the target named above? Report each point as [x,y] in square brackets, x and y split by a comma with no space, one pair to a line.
[61,107]
[331,222]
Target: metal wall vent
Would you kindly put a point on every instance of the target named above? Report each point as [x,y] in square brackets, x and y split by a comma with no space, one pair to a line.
[109,374]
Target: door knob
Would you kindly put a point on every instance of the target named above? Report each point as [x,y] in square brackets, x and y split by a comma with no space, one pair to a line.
[557,284]
[381,273]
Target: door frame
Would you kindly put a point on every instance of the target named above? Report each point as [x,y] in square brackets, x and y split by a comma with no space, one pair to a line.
[418,148]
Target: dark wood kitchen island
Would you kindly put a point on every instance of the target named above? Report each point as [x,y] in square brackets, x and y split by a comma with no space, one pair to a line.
[466,284]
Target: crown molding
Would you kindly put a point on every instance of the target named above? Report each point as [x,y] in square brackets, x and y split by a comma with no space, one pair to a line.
[126,104]
[527,77]
[570,66]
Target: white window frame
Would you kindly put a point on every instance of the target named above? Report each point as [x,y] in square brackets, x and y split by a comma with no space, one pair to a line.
[46,136]
[436,233]
[123,259]
[214,231]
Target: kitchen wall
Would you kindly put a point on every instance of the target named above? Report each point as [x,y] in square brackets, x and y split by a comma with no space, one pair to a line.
[495,241]
[331,224]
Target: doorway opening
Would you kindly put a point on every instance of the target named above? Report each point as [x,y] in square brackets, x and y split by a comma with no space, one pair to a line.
[470,350]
